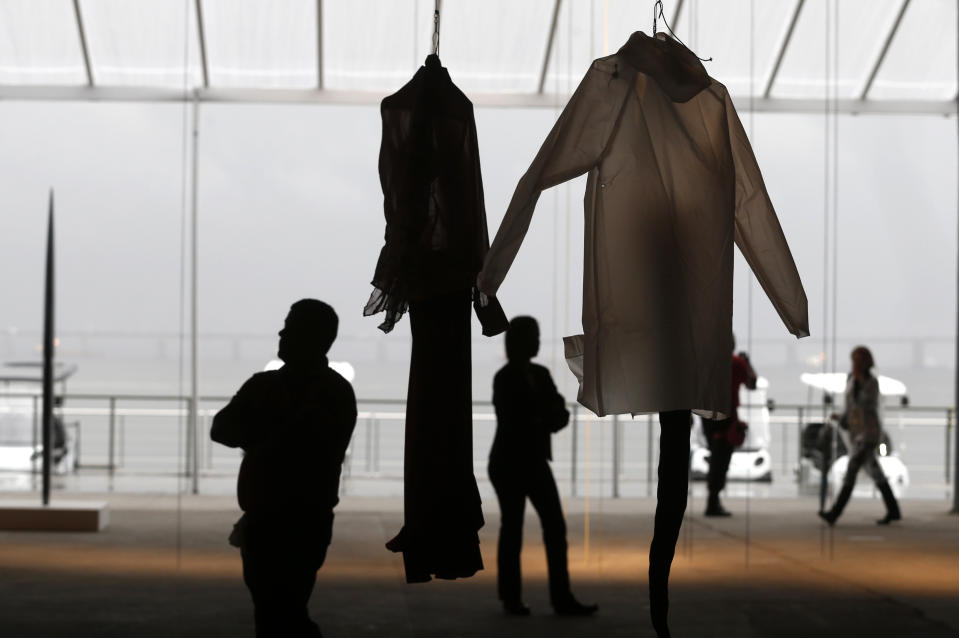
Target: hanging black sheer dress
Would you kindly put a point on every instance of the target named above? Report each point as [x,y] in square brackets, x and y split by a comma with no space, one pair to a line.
[436,240]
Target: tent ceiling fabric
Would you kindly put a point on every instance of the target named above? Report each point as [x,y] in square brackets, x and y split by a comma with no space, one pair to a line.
[270,51]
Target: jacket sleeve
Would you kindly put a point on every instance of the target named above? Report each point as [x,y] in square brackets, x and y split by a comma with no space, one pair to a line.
[759,235]
[235,425]
[557,416]
[575,145]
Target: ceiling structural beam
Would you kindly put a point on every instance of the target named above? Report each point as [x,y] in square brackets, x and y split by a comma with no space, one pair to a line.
[319,44]
[83,42]
[504,100]
[783,47]
[201,36]
[549,47]
[885,49]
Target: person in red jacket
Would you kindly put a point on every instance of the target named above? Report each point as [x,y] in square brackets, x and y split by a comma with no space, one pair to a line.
[724,435]
[294,425]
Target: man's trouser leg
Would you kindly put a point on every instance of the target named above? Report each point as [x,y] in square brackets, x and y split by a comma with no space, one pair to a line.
[670,507]
[720,453]
[281,576]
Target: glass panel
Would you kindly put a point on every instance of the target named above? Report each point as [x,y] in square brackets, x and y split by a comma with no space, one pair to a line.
[258,43]
[863,26]
[495,46]
[370,44]
[921,63]
[39,43]
[143,43]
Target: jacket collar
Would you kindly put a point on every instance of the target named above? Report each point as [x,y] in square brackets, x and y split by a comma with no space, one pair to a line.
[676,69]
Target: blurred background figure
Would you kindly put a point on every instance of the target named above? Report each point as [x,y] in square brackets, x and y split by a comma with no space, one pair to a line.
[725,435]
[528,410]
[860,418]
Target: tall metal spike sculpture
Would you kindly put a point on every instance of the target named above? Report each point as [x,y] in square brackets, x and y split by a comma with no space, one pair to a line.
[48,345]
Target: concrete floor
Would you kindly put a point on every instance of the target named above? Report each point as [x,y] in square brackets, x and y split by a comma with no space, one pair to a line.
[163,568]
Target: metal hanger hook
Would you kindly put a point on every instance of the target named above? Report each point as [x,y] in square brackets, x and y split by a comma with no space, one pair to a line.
[436,31]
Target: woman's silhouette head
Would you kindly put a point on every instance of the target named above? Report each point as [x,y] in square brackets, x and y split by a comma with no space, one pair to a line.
[522,339]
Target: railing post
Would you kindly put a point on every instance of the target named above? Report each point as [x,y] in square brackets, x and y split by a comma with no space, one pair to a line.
[616,453]
[799,427]
[948,443]
[195,455]
[123,439]
[111,441]
[369,444]
[36,434]
[376,445]
[206,439]
[572,464]
[649,455]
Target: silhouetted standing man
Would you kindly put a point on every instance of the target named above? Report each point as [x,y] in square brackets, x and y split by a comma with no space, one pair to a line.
[294,425]
[528,411]
[725,435]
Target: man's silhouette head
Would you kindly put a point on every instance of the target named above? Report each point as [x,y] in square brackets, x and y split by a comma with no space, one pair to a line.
[308,332]
[522,339]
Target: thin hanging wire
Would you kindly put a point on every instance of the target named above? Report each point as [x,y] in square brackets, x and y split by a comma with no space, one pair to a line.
[181,332]
[749,281]
[825,247]
[835,215]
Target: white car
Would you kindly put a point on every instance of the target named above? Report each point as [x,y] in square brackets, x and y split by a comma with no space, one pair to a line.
[752,460]
[21,442]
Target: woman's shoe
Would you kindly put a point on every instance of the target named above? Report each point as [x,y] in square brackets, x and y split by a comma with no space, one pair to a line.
[888,518]
[829,517]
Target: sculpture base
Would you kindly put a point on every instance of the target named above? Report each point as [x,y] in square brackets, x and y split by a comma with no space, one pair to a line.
[65,516]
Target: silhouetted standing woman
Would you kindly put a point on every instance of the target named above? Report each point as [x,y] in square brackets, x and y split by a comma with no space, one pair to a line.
[861,418]
[528,411]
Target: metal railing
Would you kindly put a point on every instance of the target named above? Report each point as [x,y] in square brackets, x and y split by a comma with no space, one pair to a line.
[134,436]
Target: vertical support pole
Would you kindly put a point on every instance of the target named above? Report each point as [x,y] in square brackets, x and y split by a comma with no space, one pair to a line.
[111,441]
[574,433]
[649,455]
[616,455]
[48,297]
[193,460]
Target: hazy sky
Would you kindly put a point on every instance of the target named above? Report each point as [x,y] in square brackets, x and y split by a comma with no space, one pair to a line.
[290,206]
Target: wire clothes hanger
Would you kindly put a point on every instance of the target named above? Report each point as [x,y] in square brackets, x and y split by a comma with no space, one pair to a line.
[433,59]
[658,13]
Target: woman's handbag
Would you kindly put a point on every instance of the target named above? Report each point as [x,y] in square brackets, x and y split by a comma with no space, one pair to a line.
[736,433]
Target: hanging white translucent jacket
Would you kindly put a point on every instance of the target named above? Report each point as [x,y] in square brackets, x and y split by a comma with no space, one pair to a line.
[672,183]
